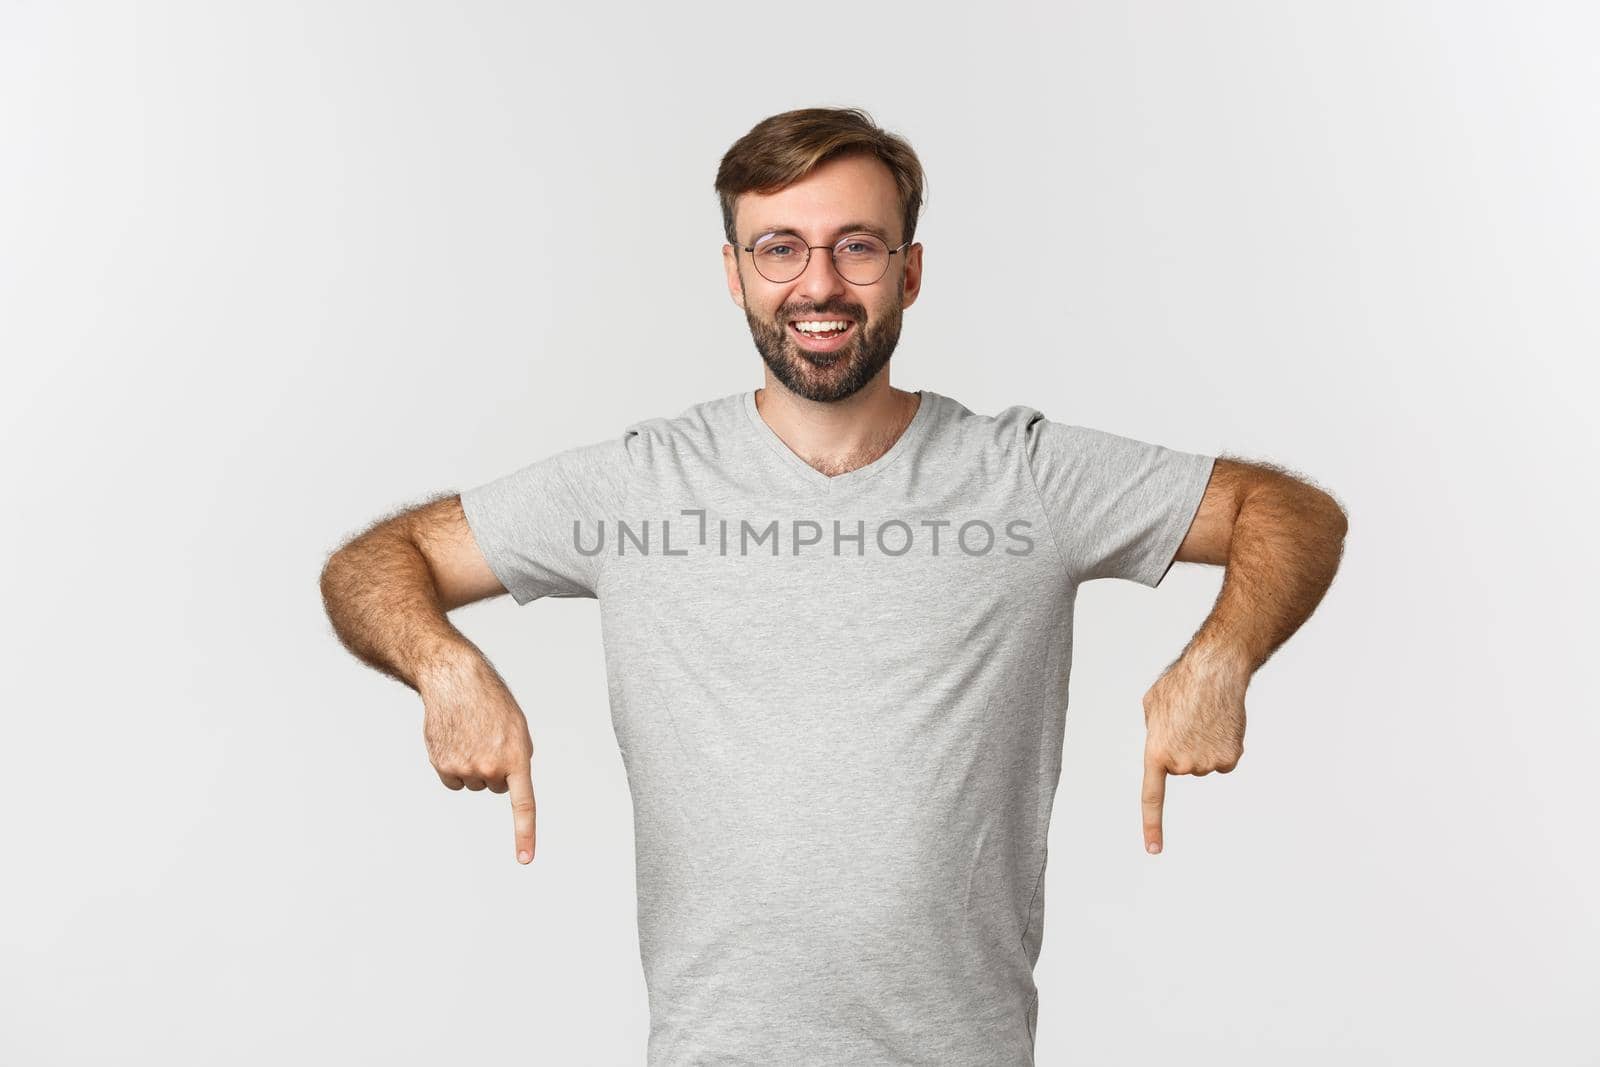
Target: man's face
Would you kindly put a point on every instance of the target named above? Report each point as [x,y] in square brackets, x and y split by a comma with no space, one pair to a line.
[839,198]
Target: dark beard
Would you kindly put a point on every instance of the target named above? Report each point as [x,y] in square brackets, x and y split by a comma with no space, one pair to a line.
[833,375]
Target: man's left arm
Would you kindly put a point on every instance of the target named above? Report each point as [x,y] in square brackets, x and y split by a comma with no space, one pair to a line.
[1280,540]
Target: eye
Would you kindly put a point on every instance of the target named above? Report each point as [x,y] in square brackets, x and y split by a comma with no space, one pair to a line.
[779,246]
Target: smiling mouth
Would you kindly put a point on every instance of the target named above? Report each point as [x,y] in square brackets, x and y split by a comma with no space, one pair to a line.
[822,341]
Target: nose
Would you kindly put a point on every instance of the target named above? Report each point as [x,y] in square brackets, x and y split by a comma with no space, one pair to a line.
[820,281]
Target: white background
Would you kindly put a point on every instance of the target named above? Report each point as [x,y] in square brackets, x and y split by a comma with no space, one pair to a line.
[270,271]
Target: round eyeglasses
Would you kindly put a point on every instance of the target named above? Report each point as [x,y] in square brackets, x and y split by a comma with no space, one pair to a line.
[860,259]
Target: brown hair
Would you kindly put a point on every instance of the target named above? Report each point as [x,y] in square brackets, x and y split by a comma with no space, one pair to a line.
[780,150]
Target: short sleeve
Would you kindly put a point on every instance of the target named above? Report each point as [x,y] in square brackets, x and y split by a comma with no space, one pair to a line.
[1118,507]
[538,527]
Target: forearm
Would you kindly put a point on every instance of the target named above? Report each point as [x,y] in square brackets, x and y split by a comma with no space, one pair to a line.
[1287,541]
[385,608]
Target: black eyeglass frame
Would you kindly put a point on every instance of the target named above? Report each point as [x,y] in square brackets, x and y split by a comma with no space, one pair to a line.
[751,248]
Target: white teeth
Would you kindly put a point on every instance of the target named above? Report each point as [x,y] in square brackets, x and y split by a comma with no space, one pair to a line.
[810,326]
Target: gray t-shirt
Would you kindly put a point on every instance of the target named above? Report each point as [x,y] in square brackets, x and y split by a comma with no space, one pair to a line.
[840,704]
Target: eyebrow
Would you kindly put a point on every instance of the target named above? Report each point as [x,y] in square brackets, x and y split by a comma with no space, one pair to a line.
[849,227]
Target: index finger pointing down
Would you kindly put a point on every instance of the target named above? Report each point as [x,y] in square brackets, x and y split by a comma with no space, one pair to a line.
[520,786]
[1152,797]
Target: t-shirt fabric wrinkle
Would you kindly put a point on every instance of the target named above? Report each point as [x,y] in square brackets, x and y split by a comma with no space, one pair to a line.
[840,703]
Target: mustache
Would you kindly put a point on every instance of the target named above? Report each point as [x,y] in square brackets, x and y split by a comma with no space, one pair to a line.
[847,311]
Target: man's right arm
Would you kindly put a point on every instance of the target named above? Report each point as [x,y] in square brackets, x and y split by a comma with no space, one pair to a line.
[387,593]
[388,590]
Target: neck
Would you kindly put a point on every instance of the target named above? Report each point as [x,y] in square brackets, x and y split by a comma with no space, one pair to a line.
[843,435]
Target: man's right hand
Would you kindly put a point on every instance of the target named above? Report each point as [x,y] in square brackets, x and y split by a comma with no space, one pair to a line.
[478,737]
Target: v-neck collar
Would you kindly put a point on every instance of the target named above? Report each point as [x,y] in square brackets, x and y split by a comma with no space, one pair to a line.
[833,482]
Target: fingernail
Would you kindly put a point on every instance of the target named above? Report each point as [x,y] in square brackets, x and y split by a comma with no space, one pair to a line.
[1153,847]
[524,856]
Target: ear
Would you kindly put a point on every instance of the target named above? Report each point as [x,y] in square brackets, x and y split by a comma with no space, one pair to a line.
[913,274]
[730,264]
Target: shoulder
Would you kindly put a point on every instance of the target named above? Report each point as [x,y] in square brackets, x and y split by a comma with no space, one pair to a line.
[1004,432]
[699,429]
[1022,433]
